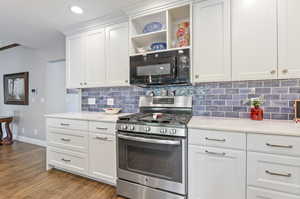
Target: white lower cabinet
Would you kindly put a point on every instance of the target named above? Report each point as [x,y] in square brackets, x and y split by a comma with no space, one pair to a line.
[281,173]
[255,193]
[68,160]
[102,161]
[82,147]
[216,173]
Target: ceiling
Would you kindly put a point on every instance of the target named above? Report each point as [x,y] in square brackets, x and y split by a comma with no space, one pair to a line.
[38,23]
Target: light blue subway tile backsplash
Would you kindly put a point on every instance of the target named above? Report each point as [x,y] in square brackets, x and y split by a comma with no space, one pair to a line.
[217,99]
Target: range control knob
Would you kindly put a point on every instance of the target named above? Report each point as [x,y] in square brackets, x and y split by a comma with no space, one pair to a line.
[163,131]
[131,128]
[173,131]
[147,129]
[125,127]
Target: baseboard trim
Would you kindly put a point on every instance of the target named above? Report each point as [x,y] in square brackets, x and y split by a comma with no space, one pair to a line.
[31,141]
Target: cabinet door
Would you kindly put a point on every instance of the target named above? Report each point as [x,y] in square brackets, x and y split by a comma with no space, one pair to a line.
[211,37]
[117,55]
[254,39]
[74,61]
[289,41]
[102,157]
[276,172]
[216,173]
[95,67]
[255,193]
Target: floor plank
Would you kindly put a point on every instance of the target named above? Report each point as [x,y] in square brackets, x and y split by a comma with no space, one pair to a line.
[23,176]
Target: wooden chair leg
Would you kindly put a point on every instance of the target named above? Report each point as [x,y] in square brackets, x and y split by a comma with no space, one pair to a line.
[9,138]
[1,133]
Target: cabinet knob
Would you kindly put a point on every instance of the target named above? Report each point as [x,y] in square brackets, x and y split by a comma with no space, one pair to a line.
[273,72]
[80,84]
[126,81]
[285,71]
[85,83]
[197,76]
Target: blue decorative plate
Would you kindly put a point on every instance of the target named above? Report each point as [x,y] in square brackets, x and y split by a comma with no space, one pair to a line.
[159,46]
[152,27]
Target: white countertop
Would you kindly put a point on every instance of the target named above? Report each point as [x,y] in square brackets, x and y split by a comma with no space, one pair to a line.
[273,127]
[88,116]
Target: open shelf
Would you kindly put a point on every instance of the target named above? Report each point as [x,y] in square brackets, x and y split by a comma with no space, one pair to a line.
[170,20]
[175,17]
[145,40]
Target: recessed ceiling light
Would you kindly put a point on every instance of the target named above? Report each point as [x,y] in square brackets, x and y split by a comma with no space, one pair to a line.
[76,9]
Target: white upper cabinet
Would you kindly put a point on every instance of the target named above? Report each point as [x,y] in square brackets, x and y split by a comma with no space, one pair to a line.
[289,41]
[98,58]
[75,61]
[211,41]
[95,58]
[117,54]
[254,39]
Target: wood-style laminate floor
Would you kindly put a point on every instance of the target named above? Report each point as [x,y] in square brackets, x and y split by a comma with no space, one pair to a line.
[23,176]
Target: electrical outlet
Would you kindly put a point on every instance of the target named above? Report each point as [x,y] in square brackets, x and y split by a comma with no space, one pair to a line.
[35,131]
[110,101]
[92,101]
[252,91]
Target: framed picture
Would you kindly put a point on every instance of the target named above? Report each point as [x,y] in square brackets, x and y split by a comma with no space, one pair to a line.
[16,88]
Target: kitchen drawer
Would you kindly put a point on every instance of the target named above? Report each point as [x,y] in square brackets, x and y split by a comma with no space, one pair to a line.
[217,139]
[69,160]
[68,139]
[255,193]
[280,173]
[68,124]
[284,145]
[102,127]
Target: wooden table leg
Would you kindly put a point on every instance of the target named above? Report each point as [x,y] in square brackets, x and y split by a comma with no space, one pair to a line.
[1,133]
[9,138]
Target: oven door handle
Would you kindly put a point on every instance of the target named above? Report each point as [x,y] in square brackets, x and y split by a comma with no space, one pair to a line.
[148,140]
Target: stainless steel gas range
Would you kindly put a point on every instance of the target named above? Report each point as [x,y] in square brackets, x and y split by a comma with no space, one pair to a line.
[152,149]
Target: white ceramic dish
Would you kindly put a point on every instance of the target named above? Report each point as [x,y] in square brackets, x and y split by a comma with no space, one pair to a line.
[112,111]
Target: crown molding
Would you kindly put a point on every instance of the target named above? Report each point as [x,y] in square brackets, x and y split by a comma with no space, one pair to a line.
[151,6]
[101,22]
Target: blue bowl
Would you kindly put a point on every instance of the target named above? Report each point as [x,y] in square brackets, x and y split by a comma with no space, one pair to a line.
[159,46]
[152,27]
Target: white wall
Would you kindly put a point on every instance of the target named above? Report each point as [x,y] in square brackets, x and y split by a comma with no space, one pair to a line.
[55,87]
[57,100]
[29,120]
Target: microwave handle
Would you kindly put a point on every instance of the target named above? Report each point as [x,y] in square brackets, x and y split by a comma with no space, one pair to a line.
[148,140]
[174,66]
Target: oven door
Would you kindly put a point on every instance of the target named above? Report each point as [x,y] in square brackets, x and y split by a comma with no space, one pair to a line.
[154,161]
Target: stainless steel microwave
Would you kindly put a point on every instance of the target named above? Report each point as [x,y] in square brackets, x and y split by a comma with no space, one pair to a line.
[171,67]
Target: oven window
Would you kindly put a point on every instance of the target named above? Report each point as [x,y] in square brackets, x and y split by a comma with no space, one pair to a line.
[155,160]
[154,70]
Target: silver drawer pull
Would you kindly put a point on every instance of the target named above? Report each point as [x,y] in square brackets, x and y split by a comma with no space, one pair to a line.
[65,160]
[216,140]
[279,174]
[215,153]
[66,140]
[102,129]
[102,138]
[279,146]
[64,124]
